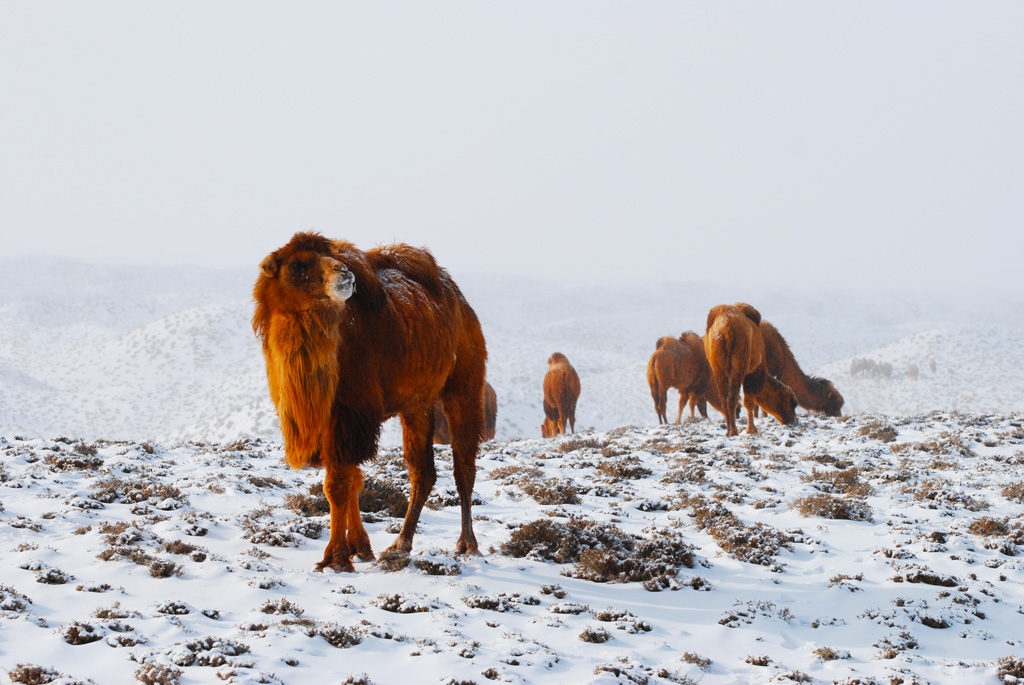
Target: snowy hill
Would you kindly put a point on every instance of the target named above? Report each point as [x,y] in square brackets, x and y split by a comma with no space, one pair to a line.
[168,354]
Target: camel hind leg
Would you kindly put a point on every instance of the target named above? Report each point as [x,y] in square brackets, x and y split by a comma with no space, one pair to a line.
[466,421]
[417,442]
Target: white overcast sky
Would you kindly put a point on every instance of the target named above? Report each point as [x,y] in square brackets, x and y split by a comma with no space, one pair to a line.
[806,143]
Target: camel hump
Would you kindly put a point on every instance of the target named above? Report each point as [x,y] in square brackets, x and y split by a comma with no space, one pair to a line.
[715,312]
[663,341]
[558,358]
[690,338]
[417,263]
[749,312]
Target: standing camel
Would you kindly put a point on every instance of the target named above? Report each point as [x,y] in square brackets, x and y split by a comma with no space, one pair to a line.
[561,391]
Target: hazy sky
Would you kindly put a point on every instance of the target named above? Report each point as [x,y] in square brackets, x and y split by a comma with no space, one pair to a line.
[806,143]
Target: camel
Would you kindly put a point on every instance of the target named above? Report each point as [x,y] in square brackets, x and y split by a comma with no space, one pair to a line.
[735,351]
[351,338]
[561,392]
[813,393]
[680,363]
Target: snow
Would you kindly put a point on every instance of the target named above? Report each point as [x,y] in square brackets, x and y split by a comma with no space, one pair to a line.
[144,501]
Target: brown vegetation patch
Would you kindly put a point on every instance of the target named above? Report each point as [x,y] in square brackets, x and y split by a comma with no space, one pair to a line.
[623,468]
[832,507]
[551,491]
[757,544]
[312,503]
[603,552]
[845,481]
[936,492]
[1014,492]
[879,430]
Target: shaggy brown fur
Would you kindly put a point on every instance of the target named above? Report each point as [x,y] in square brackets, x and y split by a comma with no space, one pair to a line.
[813,393]
[681,363]
[561,391]
[442,436]
[735,351]
[352,338]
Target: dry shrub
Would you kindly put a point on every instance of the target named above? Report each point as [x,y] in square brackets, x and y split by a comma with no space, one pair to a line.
[623,468]
[938,623]
[515,471]
[399,604]
[829,654]
[281,606]
[435,567]
[501,602]
[164,568]
[576,444]
[313,503]
[114,489]
[131,553]
[879,430]
[935,492]
[551,491]
[208,651]
[697,660]
[158,674]
[928,577]
[601,552]
[78,633]
[831,507]
[595,635]
[30,674]
[756,544]
[1010,669]
[1014,492]
[380,496]
[988,525]
[81,458]
[761,660]
[12,601]
[842,482]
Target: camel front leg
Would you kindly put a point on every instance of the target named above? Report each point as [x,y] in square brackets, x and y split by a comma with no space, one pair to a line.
[341,486]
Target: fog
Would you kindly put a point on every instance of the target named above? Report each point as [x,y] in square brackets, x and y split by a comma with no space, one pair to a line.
[806,144]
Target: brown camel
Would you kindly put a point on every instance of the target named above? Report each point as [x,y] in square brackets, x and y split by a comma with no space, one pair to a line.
[561,391]
[442,436]
[813,393]
[735,351]
[351,338]
[680,363]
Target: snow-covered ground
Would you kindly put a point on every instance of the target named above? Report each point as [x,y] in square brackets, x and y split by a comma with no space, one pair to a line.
[149,530]
[865,549]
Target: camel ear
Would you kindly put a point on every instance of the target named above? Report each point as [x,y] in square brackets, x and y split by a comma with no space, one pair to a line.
[269,266]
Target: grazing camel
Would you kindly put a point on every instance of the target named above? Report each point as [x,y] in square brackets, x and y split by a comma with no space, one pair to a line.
[735,351]
[680,363]
[561,391]
[813,393]
[443,436]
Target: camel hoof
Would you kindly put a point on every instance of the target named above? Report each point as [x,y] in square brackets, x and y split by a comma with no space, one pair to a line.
[366,556]
[336,568]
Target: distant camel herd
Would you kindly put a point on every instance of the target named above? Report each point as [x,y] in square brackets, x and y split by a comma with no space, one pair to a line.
[738,351]
[869,368]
